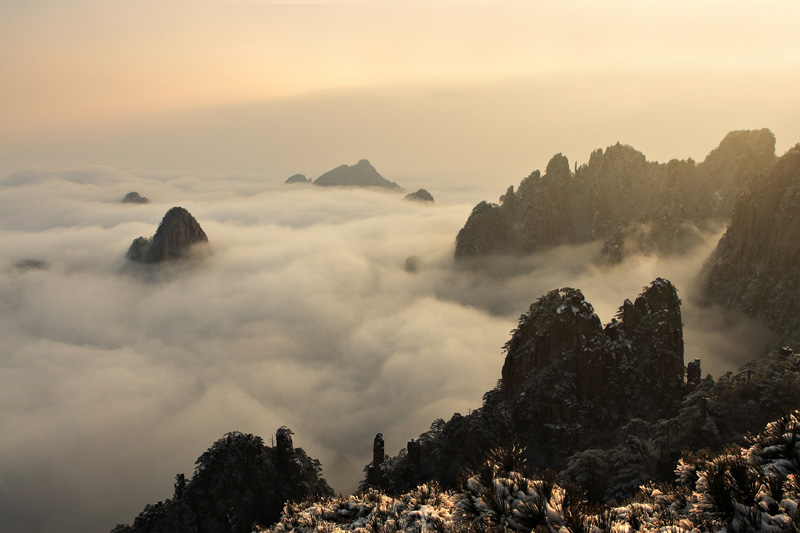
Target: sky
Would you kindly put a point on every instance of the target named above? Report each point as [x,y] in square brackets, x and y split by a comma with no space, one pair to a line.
[112,381]
[436,87]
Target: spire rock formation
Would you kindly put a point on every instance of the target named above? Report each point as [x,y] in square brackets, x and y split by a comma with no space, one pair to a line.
[178,232]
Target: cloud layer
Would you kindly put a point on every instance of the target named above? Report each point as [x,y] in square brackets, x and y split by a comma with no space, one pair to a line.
[113,380]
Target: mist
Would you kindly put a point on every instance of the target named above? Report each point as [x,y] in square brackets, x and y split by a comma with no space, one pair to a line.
[114,379]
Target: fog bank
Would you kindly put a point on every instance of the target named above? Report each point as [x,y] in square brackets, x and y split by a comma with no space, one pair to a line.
[114,380]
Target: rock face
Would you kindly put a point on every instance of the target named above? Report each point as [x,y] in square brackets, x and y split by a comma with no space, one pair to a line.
[756,265]
[178,232]
[362,174]
[560,357]
[134,197]
[420,195]
[297,178]
[618,197]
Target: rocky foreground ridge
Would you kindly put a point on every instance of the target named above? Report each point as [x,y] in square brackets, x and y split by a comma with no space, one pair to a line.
[174,239]
[620,198]
[756,265]
[755,488]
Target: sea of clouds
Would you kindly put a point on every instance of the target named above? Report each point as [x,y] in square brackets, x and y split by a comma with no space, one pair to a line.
[114,378]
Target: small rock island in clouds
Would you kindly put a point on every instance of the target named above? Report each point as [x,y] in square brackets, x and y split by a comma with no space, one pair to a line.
[174,239]
[362,174]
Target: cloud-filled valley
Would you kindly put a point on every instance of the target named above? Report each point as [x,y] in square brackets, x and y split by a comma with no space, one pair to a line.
[114,378]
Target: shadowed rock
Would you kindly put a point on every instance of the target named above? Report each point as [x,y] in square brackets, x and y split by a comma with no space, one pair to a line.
[756,265]
[178,232]
[561,345]
[134,197]
[297,178]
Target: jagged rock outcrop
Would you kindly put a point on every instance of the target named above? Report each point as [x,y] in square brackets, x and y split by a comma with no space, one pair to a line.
[562,365]
[375,474]
[362,174]
[619,197]
[297,178]
[756,265]
[134,197]
[420,195]
[175,238]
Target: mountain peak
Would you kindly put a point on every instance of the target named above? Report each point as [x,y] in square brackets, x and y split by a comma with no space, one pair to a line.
[362,174]
[176,234]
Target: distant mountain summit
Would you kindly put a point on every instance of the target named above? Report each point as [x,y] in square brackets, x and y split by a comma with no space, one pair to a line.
[297,178]
[178,232]
[362,174]
[618,197]
[420,195]
[756,265]
[134,197]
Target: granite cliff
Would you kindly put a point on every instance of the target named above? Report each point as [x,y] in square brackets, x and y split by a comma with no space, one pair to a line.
[756,265]
[618,197]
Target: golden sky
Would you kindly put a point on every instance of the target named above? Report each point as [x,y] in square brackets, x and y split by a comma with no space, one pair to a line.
[69,64]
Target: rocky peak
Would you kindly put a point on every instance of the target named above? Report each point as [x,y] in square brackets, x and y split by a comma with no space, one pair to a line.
[558,166]
[378,453]
[757,146]
[173,239]
[485,232]
[559,326]
[561,355]
[420,195]
[297,178]
[362,174]
[134,197]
